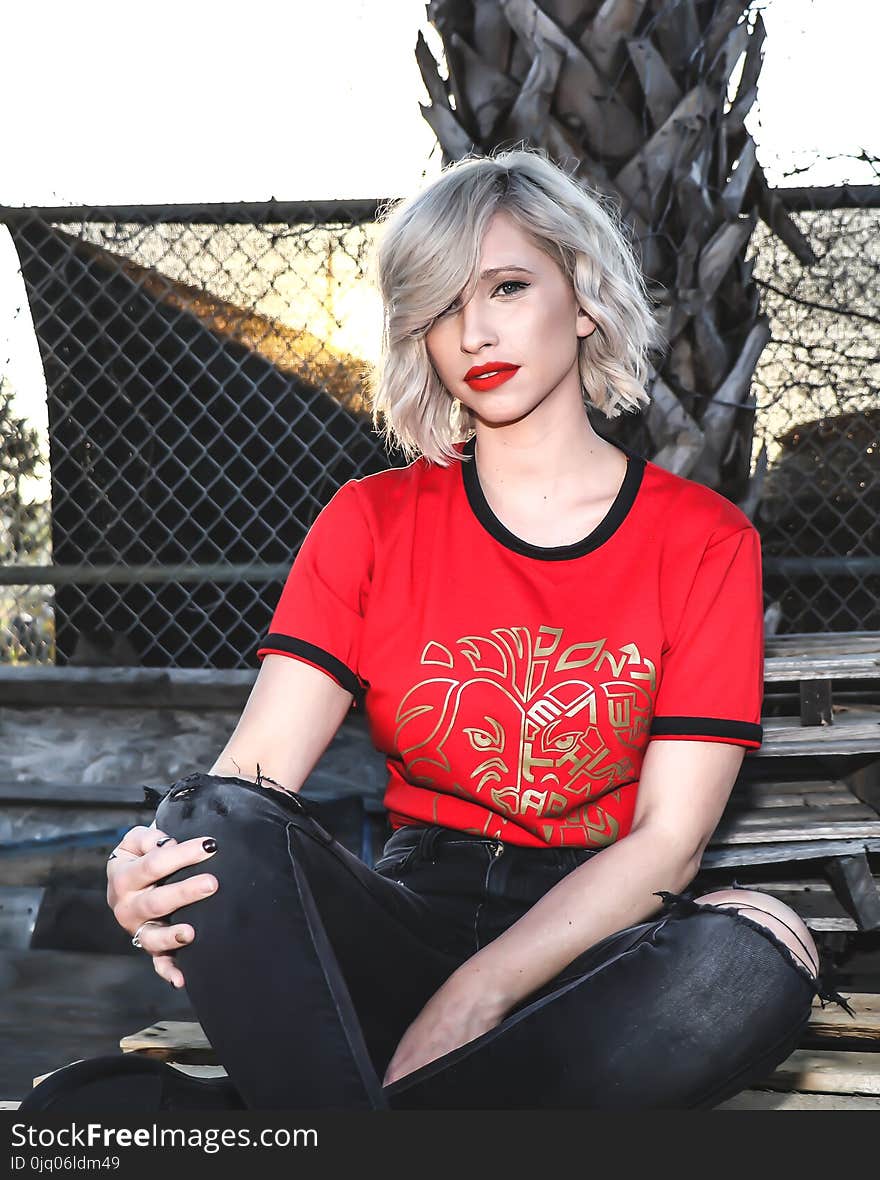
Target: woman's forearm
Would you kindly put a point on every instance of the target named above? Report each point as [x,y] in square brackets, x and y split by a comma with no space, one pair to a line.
[607,893]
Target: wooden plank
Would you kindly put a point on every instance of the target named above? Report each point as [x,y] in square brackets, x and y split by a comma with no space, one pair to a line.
[788,817]
[827,1072]
[832,1023]
[749,797]
[117,687]
[779,1100]
[715,858]
[167,1038]
[816,702]
[794,787]
[852,880]
[797,829]
[862,665]
[835,642]
[831,925]
[855,731]
[75,794]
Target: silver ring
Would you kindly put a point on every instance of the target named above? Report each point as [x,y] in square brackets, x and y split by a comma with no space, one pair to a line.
[136,938]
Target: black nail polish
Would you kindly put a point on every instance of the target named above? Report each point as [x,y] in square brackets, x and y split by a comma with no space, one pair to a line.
[159,843]
[209,845]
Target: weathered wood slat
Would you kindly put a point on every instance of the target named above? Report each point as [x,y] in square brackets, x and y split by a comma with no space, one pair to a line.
[818,641]
[782,853]
[795,787]
[853,882]
[746,832]
[817,705]
[855,731]
[95,796]
[831,1024]
[816,800]
[831,925]
[779,1100]
[166,1036]
[827,1072]
[864,665]
[114,687]
[786,817]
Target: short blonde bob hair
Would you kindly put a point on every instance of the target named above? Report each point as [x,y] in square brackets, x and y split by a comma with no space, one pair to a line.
[428,253]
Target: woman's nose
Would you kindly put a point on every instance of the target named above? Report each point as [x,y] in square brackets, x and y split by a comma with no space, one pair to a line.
[476,328]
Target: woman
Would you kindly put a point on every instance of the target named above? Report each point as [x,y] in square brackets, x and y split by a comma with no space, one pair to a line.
[559,646]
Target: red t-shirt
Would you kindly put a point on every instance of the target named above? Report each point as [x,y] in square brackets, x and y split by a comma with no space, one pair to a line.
[514,688]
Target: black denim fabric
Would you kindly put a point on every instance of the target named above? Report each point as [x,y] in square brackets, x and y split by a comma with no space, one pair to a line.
[308,966]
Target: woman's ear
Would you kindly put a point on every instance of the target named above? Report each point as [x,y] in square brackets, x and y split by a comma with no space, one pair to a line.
[586,324]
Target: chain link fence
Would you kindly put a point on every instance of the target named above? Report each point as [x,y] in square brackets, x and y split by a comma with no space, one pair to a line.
[817,392]
[205,396]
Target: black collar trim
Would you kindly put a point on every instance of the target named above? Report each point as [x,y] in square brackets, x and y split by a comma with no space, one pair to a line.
[615,517]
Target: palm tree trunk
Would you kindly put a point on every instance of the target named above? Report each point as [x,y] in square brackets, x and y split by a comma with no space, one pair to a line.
[631,96]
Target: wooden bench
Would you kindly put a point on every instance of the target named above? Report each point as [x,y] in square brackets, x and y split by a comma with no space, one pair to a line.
[809,799]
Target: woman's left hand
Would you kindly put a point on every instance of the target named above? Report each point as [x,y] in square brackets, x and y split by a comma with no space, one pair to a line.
[454,1015]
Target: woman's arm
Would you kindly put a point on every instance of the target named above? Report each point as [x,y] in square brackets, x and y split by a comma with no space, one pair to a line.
[291,716]
[682,793]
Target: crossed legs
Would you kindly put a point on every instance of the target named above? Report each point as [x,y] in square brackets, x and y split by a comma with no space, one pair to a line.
[308,966]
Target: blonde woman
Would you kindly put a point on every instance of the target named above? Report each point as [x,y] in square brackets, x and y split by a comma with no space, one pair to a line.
[559,647]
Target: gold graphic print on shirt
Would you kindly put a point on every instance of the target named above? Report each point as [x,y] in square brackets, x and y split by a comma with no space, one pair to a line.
[529,726]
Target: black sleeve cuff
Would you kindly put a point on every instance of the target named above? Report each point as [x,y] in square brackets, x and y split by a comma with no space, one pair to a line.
[341,673]
[740,732]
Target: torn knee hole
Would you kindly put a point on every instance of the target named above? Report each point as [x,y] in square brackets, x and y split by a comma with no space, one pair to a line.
[182,793]
[811,964]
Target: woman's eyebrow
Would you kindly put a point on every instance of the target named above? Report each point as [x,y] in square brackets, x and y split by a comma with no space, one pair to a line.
[497,270]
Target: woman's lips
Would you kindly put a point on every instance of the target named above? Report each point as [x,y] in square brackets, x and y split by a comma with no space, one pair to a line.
[493,380]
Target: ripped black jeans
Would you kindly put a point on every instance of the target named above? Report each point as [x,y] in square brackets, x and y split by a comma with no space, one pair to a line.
[308,966]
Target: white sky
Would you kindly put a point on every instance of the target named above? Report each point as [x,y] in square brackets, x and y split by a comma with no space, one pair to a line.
[169,101]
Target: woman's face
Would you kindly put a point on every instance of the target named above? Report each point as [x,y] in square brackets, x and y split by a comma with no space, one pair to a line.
[524,314]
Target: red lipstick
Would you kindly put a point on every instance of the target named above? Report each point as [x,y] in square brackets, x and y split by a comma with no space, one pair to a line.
[489,375]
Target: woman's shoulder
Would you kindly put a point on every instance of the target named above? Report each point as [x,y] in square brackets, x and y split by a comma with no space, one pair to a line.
[396,485]
[694,510]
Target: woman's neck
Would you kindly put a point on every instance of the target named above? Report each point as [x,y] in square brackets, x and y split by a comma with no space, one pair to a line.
[553,465]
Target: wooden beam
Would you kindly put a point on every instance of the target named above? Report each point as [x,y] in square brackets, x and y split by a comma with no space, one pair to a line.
[816,702]
[855,885]
[717,858]
[828,1072]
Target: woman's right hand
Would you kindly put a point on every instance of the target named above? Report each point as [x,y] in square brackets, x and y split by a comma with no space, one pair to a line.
[143,857]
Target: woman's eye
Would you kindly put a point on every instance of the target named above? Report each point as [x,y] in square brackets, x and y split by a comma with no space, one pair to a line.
[511,283]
